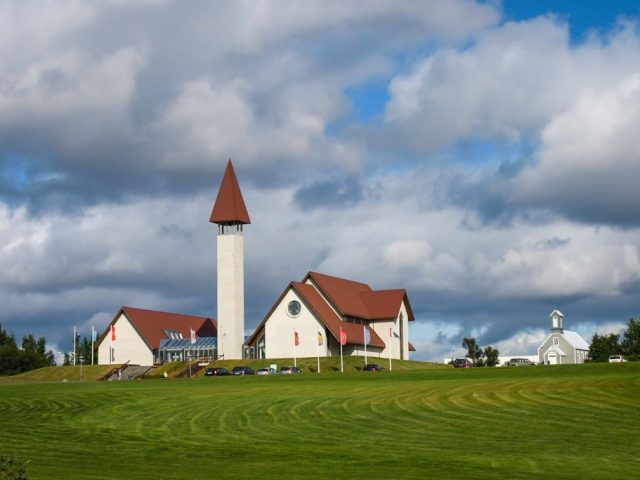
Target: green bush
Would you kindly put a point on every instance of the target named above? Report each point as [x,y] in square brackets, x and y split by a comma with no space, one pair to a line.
[12,469]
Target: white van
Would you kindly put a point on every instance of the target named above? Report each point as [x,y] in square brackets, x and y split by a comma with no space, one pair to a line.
[617,359]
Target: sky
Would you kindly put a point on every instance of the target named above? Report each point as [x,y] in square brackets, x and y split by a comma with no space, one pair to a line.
[481,155]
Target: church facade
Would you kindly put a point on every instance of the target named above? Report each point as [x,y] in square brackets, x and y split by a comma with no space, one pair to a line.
[322,315]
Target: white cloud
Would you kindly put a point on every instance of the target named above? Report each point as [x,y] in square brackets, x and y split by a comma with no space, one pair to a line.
[589,163]
[511,83]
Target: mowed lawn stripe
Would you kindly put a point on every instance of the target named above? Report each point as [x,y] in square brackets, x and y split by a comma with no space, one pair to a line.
[489,423]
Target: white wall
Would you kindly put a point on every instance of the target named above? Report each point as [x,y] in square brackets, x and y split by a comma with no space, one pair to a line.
[230,270]
[280,326]
[127,347]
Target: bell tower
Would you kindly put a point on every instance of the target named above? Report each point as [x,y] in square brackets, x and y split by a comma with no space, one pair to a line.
[556,321]
[230,214]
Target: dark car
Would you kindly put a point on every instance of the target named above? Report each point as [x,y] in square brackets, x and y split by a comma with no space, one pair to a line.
[216,372]
[242,371]
[372,367]
[519,362]
[462,363]
[289,370]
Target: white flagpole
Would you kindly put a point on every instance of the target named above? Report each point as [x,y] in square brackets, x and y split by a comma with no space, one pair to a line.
[318,352]
[74,345]
[341,361]
[93,335]
[110,344]
[295,364]
[390,340]
[364,338]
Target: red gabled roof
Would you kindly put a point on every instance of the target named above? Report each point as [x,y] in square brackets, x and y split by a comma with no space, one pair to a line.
[229,206]
[355,332]
[151,324]
[355,299]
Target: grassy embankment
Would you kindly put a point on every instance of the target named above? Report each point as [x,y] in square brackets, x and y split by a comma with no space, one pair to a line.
[574,422]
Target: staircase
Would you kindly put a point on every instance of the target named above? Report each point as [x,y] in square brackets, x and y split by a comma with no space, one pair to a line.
[131,372]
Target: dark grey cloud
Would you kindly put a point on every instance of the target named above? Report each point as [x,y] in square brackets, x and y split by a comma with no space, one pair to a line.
[342,193]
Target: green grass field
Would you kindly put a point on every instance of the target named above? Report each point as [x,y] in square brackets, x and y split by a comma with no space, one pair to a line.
[566,422]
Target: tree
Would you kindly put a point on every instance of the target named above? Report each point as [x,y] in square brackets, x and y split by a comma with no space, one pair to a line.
[491,356]
[631,342]
[474,352]
[603,346]
[9,354]
[33,354]
[83,347]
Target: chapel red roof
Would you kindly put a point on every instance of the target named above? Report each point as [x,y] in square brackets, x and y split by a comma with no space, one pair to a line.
[355,299]
[151,324]
[229,206]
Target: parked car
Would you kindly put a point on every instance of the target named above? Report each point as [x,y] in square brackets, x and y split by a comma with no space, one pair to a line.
[617,359]
[242,370]
[266,371]
[462,363]
[216,372]
[519,362]
[372,367]
[289,370]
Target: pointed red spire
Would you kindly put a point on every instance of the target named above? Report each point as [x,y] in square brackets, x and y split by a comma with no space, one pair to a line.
[229,206]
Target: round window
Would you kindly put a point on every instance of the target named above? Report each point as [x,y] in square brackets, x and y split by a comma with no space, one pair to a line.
[294,308]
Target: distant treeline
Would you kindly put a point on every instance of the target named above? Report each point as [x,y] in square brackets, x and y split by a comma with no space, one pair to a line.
[32,355]
[603,346]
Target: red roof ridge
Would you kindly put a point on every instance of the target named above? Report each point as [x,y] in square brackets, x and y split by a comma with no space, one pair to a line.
[229,206]
[356,299]
[127,308]
[151,324]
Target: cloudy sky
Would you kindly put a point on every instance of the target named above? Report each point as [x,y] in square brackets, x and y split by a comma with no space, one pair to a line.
[482,155]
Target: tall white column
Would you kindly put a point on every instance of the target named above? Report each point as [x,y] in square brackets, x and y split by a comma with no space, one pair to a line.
[231,294]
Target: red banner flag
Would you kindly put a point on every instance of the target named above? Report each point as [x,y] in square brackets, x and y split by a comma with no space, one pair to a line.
[296,340]
[113,333]
[343,337]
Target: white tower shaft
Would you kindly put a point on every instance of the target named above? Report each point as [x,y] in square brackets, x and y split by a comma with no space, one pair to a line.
[230,293]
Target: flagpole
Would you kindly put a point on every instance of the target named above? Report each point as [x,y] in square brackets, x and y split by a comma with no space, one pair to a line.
[364,338]
[295,364]
[341,361]
[111,344]
[74,345]
[93,336]
[318,352]
[390,340]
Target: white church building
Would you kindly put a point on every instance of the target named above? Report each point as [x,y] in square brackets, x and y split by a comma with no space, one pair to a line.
[562,346]
[318,315]
[314,316]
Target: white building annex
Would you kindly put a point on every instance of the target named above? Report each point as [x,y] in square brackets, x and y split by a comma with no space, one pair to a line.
[307,318]
[562,346]
[135,336]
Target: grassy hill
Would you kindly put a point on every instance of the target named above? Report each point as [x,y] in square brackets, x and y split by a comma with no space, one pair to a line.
[62,373]
[440,423]
[175,369]
[330,364]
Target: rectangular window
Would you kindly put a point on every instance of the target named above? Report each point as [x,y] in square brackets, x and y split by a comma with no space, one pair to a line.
[556,341]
